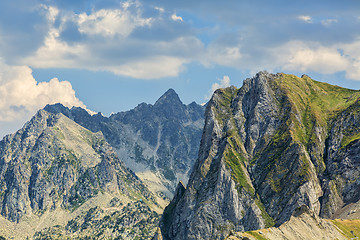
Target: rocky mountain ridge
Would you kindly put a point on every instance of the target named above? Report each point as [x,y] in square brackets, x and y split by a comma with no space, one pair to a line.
[53,170]
[276,144]
[158,142]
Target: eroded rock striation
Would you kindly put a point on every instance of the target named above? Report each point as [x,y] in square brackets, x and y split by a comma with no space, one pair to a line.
[276,144]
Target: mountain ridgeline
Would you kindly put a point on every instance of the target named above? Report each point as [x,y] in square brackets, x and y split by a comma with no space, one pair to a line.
[158,142]
[277,144]
[53,171]
[62,174]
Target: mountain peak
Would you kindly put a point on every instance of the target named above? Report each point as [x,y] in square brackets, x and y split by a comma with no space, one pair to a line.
[56,108]
[169,97]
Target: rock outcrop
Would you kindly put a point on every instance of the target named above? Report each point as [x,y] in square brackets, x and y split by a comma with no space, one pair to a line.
[276,144]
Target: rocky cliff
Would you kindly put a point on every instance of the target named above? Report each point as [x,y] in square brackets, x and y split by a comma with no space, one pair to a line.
[158,142]
[53,170]
[276,144]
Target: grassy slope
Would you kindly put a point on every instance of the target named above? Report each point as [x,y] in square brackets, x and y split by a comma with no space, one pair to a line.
[311,103]
[314,102]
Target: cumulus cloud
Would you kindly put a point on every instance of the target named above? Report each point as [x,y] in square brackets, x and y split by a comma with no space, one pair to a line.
[176,18]
[110,22]
[302,56]
[145,40]
[21,96]
[322,59]
[305,18]
[109,42]
[222,83]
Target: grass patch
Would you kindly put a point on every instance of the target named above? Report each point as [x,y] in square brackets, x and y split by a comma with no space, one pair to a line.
[313,103]
[350,228]
[269,221]
[235,162]
[349,139]
[257,235]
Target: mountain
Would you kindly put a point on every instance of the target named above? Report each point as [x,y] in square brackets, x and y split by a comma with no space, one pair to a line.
[269,148]
[54,172]
[158,142]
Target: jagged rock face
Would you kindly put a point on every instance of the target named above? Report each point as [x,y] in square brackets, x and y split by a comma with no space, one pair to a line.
[53,163]
[158,142]
[342,157]
[268,148]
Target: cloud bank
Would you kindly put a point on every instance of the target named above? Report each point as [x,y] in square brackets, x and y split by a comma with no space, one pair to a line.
[21,96]
[158,39]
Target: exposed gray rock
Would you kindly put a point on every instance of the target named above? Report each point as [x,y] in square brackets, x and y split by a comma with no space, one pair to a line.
[52,162]
[159,142]
[268,149]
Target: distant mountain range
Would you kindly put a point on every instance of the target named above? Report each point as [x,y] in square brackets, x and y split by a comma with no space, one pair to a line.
[158,142]
[62,174]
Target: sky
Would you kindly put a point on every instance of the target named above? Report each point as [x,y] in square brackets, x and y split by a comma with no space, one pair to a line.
[110,55]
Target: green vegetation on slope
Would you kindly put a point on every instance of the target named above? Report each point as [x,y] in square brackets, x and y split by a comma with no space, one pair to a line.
[235,162]
[232,155]
[223,105]
[257,235]
[352,132]
[269,221]
[350,228]
[314,102]
[306,109]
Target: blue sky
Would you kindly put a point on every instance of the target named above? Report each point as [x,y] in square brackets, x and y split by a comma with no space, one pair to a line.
[110,55]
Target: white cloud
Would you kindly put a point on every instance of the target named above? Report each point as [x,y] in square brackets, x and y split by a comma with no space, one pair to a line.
[114,26]
[176,18]
[305,18]
[321,59]
[223,55]
[223,83]
[21,96]
[294,56]
[329,22]
[160,9]
[312,56]
[110,22]
[56,53]
[156,67]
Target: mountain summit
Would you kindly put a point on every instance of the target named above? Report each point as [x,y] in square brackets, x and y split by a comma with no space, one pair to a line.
[158,142]
[169,97]
[277,144]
